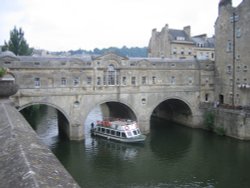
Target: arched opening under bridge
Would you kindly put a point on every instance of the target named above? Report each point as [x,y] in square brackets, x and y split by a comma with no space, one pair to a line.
[108,109]
[48,122]
[173,110]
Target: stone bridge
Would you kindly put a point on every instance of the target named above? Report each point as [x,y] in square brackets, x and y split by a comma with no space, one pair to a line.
[135,88]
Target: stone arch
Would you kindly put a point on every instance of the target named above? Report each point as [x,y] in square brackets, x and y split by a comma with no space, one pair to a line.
[169,98]
[123,104]
[114,101]
[63,119]
[175,109]
[44,103]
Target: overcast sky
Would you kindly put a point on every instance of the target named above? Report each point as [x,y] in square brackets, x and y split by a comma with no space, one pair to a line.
[87,24]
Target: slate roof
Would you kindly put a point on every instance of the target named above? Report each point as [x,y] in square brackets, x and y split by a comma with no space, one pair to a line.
[175,33]
[206,42]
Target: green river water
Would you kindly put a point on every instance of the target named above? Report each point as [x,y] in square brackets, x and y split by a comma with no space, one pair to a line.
[172,156]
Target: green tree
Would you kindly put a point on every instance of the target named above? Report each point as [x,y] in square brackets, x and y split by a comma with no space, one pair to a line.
[17,43]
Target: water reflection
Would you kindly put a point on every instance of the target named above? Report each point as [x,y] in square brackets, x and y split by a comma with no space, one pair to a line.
[43,120]
[121,150]
[172,156]
[161,139]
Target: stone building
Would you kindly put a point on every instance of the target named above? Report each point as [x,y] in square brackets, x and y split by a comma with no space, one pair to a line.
[171,43]
[174,43]
[232,53]
[134,88]
[204,47]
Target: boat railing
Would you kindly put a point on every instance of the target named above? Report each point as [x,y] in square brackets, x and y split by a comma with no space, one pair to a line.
[110,119]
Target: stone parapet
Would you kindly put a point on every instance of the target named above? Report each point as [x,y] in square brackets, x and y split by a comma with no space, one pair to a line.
[24,160]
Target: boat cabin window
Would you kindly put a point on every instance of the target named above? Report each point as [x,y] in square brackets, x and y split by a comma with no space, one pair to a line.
[112,132]
[103,130]
[135,132]
[129,134]
[118,133]
[108,131]
[123,135]
[99,129]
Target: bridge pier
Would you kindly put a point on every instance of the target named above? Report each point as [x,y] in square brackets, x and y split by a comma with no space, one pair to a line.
[76,132]
[144,126]
[71,130]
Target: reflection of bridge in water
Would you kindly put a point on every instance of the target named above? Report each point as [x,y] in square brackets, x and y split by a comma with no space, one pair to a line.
[134,88]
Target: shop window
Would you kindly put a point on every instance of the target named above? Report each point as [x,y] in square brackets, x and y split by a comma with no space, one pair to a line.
[172,80]
[76,81]
[229,46]
[89,80]
[98,82]
[63,81]
[143,101]
[124,80]
[153,80]
[206,97]
[37,82]
[144,80]
[133,80]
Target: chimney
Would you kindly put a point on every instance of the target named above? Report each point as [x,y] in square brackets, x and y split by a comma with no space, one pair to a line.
[223,3]
[187,29]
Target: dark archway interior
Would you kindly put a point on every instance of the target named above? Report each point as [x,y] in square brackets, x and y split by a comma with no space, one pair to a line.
[119,110]
[36,113]
[173,110]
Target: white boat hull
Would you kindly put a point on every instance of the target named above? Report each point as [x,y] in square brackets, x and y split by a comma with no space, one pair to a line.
[139,138]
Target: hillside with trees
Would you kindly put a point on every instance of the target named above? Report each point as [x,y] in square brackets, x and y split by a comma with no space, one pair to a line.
[124,51]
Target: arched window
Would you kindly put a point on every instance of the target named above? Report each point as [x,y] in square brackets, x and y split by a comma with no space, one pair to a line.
[111,75]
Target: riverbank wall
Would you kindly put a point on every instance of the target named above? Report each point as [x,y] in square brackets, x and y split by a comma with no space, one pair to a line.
[24,160]
[232,122]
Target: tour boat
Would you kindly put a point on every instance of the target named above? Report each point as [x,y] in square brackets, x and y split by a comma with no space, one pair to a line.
[122,130]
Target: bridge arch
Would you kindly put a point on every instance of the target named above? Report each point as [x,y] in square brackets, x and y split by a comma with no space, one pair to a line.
[174,109]
[112,108]
[111,103]
[44,103]
[62,117]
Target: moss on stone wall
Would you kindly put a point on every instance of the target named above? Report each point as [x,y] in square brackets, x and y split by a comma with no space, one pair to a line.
[209,120]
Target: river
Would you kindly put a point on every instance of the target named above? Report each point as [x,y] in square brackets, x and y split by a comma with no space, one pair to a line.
[172,156]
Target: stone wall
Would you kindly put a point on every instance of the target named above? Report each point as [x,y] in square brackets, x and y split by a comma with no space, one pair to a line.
[24,160]
[232,54]
[235,123]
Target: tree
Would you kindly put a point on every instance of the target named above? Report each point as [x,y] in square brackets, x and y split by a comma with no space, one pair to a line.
[17,43]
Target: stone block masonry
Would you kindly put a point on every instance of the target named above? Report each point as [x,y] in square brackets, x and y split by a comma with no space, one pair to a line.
[235,123]
[24,160]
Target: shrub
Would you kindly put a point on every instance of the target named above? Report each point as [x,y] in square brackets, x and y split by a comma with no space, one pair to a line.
[2,71]
[209,120]
[220,131]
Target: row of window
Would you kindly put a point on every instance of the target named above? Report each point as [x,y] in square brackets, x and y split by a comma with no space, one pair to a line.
[181,51]
[238,68]
[239,81]
[111,80]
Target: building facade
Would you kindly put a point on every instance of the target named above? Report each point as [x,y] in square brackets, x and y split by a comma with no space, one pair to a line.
[171,43]
[178,44]
[232,53]
[134,88]
[204,47]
